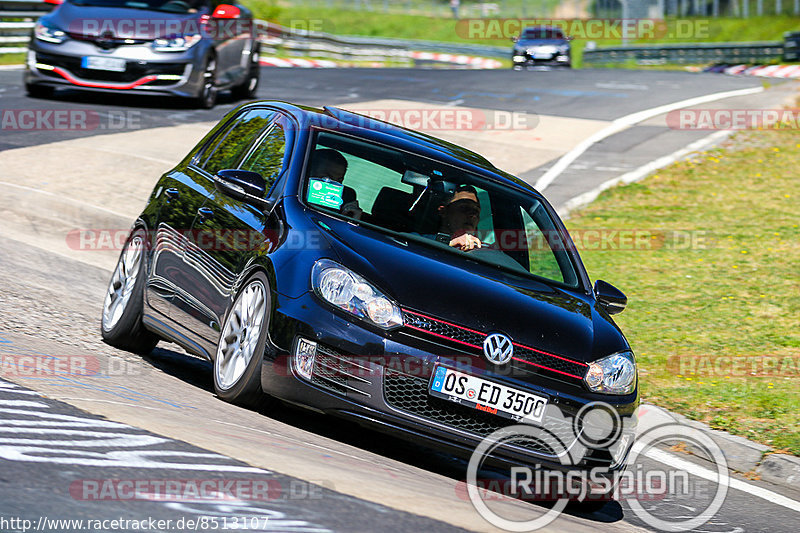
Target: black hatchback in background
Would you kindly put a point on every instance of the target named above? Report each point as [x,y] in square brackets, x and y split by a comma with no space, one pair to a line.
[187,48]
[541,46]
[367,271]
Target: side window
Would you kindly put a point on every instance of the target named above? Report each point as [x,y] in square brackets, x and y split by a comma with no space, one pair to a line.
[267,157]
[541,259]
[233,142]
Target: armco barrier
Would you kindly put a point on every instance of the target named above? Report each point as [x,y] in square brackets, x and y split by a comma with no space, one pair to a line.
[688,53]
[791,46]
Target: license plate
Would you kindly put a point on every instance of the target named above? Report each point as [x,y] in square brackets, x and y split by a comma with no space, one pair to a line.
[103,63]
[542,55]
[487,396]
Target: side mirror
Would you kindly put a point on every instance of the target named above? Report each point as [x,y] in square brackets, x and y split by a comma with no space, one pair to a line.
[609,297]
[244,185]
[226,11]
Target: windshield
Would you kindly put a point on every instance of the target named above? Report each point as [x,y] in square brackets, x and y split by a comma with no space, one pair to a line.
[437,205]
[543,33]
[169,6]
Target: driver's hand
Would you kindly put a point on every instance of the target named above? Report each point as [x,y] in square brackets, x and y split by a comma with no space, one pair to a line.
[466,242]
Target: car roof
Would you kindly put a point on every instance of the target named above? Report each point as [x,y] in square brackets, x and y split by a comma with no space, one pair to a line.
[338,119]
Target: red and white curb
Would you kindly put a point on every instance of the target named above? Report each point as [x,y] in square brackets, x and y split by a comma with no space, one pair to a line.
[768,71]
[469,61]
[292,62]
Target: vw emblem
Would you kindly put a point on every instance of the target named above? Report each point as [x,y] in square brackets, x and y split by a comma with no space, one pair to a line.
[498,348]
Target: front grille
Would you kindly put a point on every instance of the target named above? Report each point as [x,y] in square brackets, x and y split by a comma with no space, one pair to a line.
[134,70]
[410,394]
[548,361]
[440,328]
[529,358]
[338,373]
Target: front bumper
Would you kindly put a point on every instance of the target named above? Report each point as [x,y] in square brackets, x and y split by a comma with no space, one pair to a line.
[380,380]
[525,59]
[146,72]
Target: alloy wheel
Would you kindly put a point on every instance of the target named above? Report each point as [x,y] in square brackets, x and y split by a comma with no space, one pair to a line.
[240,335]
[120,288]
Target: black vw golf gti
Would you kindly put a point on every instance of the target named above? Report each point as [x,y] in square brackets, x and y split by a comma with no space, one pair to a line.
[357,268]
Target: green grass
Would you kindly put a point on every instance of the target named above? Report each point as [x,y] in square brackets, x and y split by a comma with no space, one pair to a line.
[732,294]
[12,59]
[445,29]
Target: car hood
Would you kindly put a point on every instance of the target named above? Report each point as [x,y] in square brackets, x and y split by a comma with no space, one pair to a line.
[121,22]
[475,295]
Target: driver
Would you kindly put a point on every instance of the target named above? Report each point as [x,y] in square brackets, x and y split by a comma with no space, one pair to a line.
[459,215]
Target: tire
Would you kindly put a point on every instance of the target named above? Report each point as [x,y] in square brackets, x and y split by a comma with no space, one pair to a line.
[39,91]
[240,350]
[248,88]
[121,322]
[207,96]
[587,506]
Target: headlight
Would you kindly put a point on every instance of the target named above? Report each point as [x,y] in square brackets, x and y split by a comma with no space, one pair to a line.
[176,44]
[615,374]
[347,290]
[49,34]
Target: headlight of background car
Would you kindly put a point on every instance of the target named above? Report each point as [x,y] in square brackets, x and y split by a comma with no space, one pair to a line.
[180,43]
[347,290]
[48,33]
[615,374]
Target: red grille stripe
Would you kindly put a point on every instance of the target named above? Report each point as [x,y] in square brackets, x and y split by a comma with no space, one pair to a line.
[451,339]
[550,354]
[66,75]
[581,363]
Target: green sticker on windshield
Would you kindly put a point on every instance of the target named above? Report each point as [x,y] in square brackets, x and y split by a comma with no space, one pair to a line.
[325,193]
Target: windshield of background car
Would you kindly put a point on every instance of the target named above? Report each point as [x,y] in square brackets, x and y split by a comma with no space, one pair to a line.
[169,6]
[432,202]
[543,33]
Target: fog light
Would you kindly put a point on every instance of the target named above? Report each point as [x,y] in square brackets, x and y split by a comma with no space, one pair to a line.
[562,58]
[304,354]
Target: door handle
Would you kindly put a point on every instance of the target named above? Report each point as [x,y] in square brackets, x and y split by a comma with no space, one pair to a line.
[205,213]
[172,193]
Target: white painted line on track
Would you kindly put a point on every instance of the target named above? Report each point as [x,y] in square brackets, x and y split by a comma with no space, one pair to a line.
[12,67]
[699,471]
[22,403]
[642,171]
[624,122]
[64,198]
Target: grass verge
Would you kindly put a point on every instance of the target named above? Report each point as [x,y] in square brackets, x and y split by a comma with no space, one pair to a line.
[12,59]
[720,280]
[445,29]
